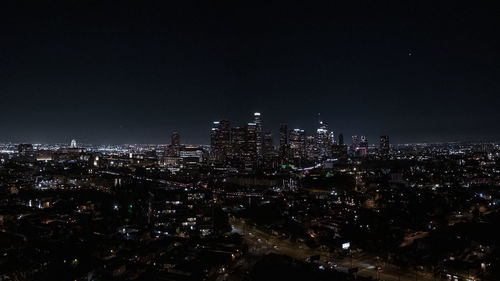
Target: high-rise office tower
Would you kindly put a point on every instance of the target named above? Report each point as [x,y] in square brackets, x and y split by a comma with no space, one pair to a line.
[268,145]
[225,137]
[251,141]
[175,138]
[258,133]
[172,153]
[297,143]
[384,146]
[339,149]
[283,140]
[363,146]
[73,143]
[175,144]
[322,144]
[364,142]
[220,141]
[354,144]
[311,149]
[238,142]
[258,120]
[331,138]
[341,139]
[215,146]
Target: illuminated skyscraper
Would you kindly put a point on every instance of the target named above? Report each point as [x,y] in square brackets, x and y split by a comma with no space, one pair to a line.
[225,137]
[220,141]
[311,150]
[331,138]
[73,143]
[384,146]
[258,133]
[322,144]
[251,141]
[174,147]
[172,153]
[364,142]
[238,142]
[297,144]
[215,146]
[283,141]
[175,139]
[339,151]
[268,145]
[354,144]
[363,147]
[175,142]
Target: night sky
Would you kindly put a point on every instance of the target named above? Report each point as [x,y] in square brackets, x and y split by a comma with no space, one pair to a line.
[116,73]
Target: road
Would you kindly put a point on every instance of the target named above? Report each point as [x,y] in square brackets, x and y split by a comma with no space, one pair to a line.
[261,243]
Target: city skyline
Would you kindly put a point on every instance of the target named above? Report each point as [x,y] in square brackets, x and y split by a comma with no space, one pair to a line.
[274,130]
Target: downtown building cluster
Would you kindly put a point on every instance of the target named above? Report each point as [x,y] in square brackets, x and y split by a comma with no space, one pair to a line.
[241,147]
[249,146]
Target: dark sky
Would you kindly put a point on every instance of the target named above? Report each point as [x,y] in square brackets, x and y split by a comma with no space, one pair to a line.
[117,73]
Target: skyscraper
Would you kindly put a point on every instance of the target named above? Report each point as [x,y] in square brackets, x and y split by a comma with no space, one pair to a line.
[225,137]
[215,147]
[238,142]
[268,147]
[175,138]
[384,146]
[363,146]
[341,139]
[220,141]
[283,140]
[339,151]
[297,144]
[172,153]
[251,141]
[354,144]
[258,133]
[331,138]
[175,144]
[364,142]
[311,149]
[322,144]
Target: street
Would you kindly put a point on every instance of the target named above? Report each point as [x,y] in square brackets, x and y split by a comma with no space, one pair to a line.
[261,243]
